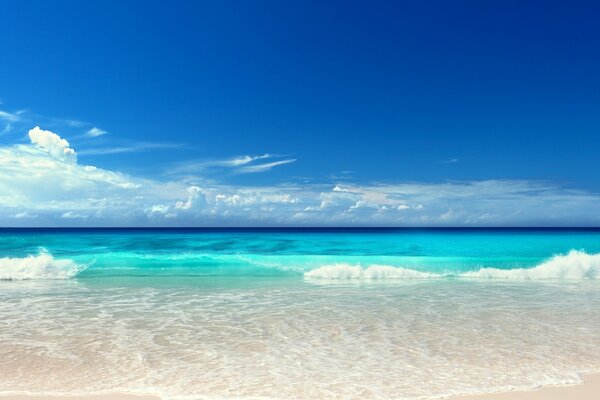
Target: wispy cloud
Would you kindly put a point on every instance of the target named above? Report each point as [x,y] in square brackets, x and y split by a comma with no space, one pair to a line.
[129,148]
[237,164]
[238,161]
[95,132]
[23,120]
[263,167]
[9,120]
[10,117]
[7,128]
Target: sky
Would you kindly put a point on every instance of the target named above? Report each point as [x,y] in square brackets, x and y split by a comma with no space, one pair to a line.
[299,113]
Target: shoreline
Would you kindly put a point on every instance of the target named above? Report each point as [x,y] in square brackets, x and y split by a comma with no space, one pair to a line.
[589,389]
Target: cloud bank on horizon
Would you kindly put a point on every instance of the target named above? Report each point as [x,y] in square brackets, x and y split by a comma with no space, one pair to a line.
[42,183]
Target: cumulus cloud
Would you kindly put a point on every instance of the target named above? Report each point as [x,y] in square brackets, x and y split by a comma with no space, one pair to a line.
[52,143]
[195,194]
[44,179]
[95,132]
[160,209]
[338,188]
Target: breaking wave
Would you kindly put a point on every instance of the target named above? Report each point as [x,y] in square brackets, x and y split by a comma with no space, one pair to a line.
[575,265]
[41,266]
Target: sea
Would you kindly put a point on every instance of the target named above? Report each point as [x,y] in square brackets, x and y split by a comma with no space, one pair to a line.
[297,313]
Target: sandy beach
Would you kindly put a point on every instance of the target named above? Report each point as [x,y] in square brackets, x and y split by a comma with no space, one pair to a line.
[589,390]
[115,396]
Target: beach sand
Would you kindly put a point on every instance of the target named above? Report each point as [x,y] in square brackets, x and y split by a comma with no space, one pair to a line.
[115,396]
[589,390]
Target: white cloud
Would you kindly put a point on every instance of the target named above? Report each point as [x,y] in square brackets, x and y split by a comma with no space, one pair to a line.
[72,215]
[130,148]
[251,197]
[238,161]
[157,209]
[228,163]
[263,167]
[359,204]
[23,214]
[10,117]
[194,195]
[95,132]
[340,200]
[53,144]
[340,189]
[42,184]
[45,179]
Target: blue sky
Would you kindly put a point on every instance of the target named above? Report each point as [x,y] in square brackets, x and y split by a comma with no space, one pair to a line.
[447,113]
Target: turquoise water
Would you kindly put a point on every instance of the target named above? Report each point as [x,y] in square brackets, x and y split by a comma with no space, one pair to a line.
[302,314]
[292,253]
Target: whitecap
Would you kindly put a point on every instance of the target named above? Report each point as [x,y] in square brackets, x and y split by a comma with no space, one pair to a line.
[575,265]
[347,271]
[40,266]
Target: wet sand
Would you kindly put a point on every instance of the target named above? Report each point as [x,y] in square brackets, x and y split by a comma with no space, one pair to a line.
[589,390]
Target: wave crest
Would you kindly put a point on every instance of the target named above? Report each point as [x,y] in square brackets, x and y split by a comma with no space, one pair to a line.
[347,271]
[575,265]
[41,266]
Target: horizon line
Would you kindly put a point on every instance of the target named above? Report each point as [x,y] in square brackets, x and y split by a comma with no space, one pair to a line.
[304,227]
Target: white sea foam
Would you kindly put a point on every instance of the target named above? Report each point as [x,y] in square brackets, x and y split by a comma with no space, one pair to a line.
[347,271]
[575,265]
[41,266]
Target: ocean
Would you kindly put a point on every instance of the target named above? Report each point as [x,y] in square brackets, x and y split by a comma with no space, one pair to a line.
[297,313]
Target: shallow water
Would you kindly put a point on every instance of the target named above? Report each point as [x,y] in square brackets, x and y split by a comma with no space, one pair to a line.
[297,314]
